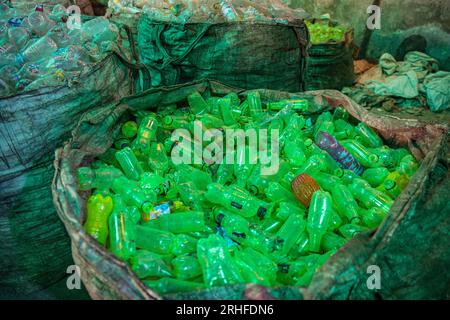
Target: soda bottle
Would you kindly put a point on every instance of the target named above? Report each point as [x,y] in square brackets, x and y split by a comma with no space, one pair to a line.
[345,203]
[257,261]
[319,218]
[157,158]
[367,136]
[186,173]
[129,163]
[133,195]
[331,242]
[249,274]
[216,262]
[155,240]
[314,164]
[186,267]
[343,157]
[408,166]
[375,176]
[224,174]
[190,194]
[213,106]
[256,183]
[288,234]
[121,231]
[238,202]
[235,225]
[300,105]
[301,247]
[350,231]
[303,187]
[346,176]
[269,225]
[361,153]
[146,134]
[129,129]
[197,104]
[254,105]
[180,222]
[148,264]
[343,130]
[285,209]
[243,166]
[211,122]
[370,197]
[226,111]
[98,210]
[326,181]
[294,153]
[277,193]
[372,217]
[170,285]
[336,220]
[386,157]
[177,122]
[184,244]
[340,114]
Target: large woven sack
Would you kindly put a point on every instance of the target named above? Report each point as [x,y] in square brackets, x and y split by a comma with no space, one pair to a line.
[244,55]
[330,65]
[35,250]
[410,246]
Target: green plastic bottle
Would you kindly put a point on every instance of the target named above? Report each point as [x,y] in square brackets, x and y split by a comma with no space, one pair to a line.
[256,183]
[347,176]
[224,173]
[180,222]
[98,210]
[408,166]
[326,181]
[186,267]
[285,209]
[197,103]
[122,233]
[375,176]
[294,153]
[391,188]
[216,262]
[350,231]
[155,183]
[129,163]
[345,203]
[387,157]
[177,122]
[235,225]
[184,244]
[336,221]
[367,136]
[288,234]
[129,129]
[170,285]
[340,114]
[249,274]
[301,247]
[314,164]
[226,111]
[369,196]
[372,217]
[331,242]
[157,158]
[211,122]
[238,202]
[319,218]
[148,264]
[300,105]
[242,166]
[213,106]
[133,195]
[361,153]
[260,262]
[146,134]
[254,105]
[277,193]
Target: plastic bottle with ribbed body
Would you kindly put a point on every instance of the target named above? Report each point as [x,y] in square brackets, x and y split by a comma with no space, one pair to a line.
[303,188]
[319,218]
[361,153]
[98,210]
[146,134]
[149,264]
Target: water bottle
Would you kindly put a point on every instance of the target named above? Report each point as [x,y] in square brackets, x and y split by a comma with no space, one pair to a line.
[99,30]
[18,37]
[122,233]
[319,218]
[186,267]
[41,49]
[39,22]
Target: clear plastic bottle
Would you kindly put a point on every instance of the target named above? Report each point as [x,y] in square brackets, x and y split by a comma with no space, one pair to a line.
[41,49]
[39,22]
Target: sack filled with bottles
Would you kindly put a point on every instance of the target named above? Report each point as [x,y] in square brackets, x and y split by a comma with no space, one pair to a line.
[50,48]
[158,200]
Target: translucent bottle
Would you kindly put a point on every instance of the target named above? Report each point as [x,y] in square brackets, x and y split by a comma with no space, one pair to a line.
[368,136]
[345,203]
[129,163]
[361,153]
[319,218]
[277,193]
[129,129]
[148,264]
[288,234]
[39,50]
[369,196]
[180,222]
[375,176]
[98,210]
[197,103]
[255,106]
[40,23]
[186,267]
[157,158]
[122,233]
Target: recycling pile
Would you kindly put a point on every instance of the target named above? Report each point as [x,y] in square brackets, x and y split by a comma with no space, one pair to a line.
[194,11]
[41,50]
[184,227]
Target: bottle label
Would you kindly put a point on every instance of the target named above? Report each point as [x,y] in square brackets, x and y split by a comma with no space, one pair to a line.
[236,205]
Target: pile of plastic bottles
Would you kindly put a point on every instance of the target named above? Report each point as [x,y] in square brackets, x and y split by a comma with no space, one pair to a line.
[321,32]
[194,11]
[185,227]
[43,50]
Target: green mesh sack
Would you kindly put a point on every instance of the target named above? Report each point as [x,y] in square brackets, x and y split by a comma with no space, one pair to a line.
[410,245]
[35,250]
[240,54]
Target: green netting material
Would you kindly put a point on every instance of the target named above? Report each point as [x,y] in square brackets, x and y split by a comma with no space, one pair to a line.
[409,247]
[244,55]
